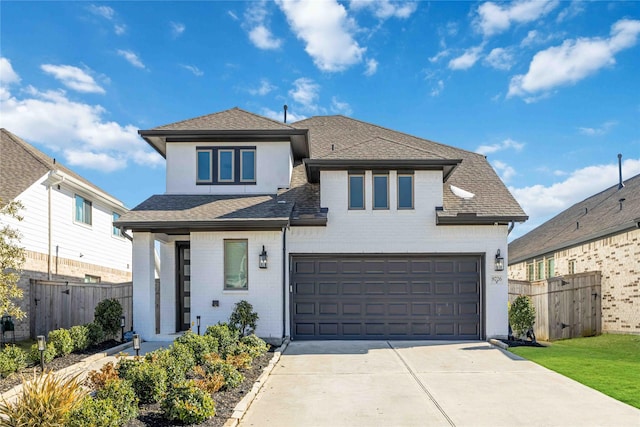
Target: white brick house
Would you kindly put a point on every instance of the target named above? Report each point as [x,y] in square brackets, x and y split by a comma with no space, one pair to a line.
[67,230]
[369,233]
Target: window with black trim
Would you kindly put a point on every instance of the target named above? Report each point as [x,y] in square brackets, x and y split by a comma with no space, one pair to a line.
[380,191]
[82,210]
[225,165]
[235,264]
[204,166]
[248,165]
[356,191]
[405,191]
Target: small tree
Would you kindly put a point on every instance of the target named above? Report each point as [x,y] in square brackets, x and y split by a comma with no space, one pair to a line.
[522,316]
[244,318]
[108,313]
[12,257]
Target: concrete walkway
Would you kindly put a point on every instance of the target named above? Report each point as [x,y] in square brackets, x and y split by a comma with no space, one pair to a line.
[427,383]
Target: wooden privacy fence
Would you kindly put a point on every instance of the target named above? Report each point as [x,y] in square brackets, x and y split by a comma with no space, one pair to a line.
[57,305]
[566,307]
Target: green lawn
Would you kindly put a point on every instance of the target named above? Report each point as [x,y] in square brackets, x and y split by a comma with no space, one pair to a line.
[608,363]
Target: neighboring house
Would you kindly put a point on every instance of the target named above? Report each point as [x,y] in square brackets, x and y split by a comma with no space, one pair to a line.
[600,233]
[363,232]
[67,231]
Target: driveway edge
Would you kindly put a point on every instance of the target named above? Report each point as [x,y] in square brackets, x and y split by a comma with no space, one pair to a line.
[498,343]
[243,405]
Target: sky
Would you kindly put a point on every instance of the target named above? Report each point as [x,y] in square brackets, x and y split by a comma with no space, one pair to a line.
[549,91]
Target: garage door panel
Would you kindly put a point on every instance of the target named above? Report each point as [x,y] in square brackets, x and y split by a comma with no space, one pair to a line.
[386,297]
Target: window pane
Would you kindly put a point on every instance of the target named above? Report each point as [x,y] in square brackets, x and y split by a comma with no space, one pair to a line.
[225,165]
[380,192]
[235,264]
[356,192]
[83,210]
[116,230]
[248,165]
[204,166]
[79,208]
[87,212]
[405,191]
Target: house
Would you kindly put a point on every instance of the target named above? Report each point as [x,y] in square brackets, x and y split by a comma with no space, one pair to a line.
[599,234]
[67,230]
[332,228]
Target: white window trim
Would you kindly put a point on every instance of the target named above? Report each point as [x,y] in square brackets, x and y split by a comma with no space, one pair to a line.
[364,195]
[255,166]
[210,153]
[233,161]
[413,199]
[373,185]
[75,220]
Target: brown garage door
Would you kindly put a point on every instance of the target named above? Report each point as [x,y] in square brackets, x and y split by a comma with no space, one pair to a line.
[385,297]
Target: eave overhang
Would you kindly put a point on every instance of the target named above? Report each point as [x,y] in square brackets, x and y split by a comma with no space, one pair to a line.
[314,166]
[474,219]
[185,227]
[299,138]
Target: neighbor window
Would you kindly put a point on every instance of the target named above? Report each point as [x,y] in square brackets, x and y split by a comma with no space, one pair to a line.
[356,191]
[204,166]
[572,266]
[530,271]
[539,270]
[235,265]
[88,278]
[83,210]
[405,191]
[380,191]
[115,230]
[225,165]
[247,165]
[550,267]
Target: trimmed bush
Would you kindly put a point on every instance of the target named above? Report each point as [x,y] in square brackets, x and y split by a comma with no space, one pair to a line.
[522,315]
[215,365]
[243,318]
[34,354]
[95,333]
[97,379]
[12,359]
[188,404]
[207,382]
[121,393]
[108,313]
[94,413]
[79,337]
[253,346]
[60,339]
[177,360]
[239,361]
[149,380]
[226,336]
[199,345]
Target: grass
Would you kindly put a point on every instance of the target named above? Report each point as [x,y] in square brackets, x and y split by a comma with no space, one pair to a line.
[607,363]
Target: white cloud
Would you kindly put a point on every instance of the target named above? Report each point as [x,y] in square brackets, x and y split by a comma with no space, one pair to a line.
[541,202]
[279,115]
[177,28]
[256,24]
[372,67]
[504,145]
[385,9]
[574,60]
[495,18]
[505,171]
[500,59]
[438,88]
[109,14]
[7,74]
[574,9]
[305,93]
[131,57]
[467,59]
[439,55]
[264,88]
[73,78]
[339,107]
[598,131]
[78,130]
[233,15]
[327,31]
[195,70]
[120,29]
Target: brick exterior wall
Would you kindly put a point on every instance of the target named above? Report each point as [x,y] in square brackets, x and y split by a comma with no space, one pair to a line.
[618,259]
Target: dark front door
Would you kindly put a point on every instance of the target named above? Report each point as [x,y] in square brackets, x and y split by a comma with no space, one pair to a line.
[183,287]
[386,297]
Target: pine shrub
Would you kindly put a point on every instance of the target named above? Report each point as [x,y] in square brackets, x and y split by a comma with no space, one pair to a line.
[12,359]
[188,404]
[61,340]
[243,318]
[522,315]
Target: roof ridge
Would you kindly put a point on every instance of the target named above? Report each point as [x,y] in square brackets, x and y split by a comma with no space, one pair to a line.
[221,112]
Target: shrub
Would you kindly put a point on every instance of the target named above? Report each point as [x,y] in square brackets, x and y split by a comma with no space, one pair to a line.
[226,336]
[522,315]
[12,359]
[239,361]
[108,313]
[97,379]
[215,365]
[188,404]
[95,333]
[34,354]
[44,401]
[121,393]
[208,382]
[199,345]
[243,318]
[79,337]
[253,346]
[61,340]
[176,361]
[125,365]
[94,413]
[149,380]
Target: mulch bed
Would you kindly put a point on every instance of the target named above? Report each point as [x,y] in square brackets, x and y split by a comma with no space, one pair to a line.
[522,343]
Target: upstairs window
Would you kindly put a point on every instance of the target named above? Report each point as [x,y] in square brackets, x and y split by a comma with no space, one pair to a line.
[550,267]
[82,210]
[115,230]
[572,266]
[405,191]
[380,191]
[248,165]
[225,165]
[356,191]
[530,276]
[204,172]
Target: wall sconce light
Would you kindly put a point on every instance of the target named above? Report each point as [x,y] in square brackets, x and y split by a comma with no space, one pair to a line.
[122,328]
[499,262]
[263,258]
[198,323]
[136,344]
[42,346]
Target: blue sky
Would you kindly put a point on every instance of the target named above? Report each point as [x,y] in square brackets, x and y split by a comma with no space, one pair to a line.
[548,90]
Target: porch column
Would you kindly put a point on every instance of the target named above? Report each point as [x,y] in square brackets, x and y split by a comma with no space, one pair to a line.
[144,285]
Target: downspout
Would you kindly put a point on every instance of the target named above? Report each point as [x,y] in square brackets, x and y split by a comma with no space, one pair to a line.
[513,224]
[284,282]
[52,180]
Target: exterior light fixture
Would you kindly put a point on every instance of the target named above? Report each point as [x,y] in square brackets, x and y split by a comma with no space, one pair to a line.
[263,258]
[499,262]
[198,323]
[42,346]
[122,328]
[136,344]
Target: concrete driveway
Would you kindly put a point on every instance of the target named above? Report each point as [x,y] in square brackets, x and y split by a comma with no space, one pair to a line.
[426,383]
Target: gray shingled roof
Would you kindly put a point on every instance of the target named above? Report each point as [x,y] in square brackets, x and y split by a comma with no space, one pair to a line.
[21,164]
[595,217]
[232,119]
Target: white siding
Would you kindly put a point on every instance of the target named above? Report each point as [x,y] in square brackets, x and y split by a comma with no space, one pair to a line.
[273,169]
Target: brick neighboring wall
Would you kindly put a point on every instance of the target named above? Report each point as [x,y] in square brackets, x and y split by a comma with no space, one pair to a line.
[35,268]
[618,259]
